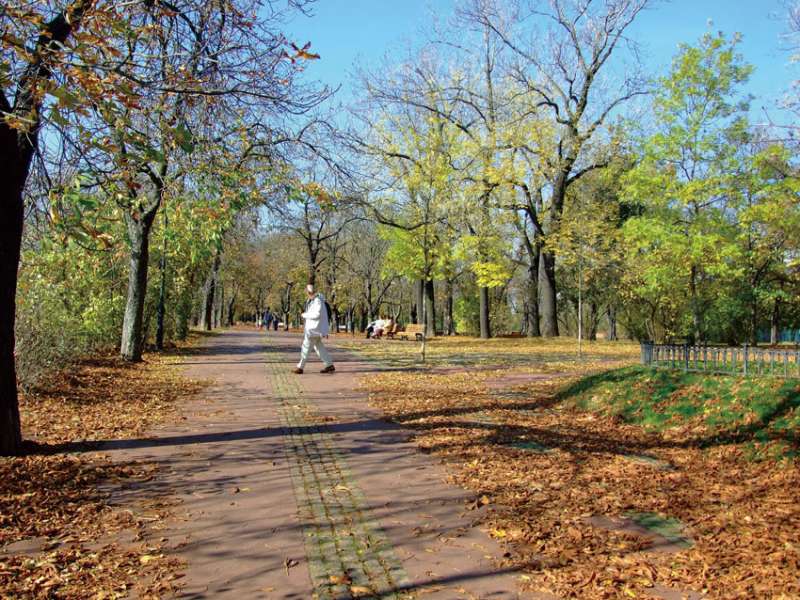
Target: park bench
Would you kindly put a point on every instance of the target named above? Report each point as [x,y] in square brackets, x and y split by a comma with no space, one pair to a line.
[418,331]
[391,331]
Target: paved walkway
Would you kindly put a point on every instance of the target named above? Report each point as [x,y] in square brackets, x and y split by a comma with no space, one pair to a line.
[292,487]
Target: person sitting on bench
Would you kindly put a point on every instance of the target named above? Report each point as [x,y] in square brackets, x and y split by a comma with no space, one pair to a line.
[371,328]
[384,326]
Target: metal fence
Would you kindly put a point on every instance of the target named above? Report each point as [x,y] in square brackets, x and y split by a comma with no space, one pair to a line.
[745,360]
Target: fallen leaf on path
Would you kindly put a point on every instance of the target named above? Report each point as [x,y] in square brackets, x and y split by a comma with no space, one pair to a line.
[288,563]
[361,590]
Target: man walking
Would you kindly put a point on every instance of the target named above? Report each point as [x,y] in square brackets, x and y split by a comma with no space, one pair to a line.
[316,326]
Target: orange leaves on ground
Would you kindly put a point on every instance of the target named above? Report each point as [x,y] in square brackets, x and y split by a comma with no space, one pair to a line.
[61,533]
[554,474]
[105,398]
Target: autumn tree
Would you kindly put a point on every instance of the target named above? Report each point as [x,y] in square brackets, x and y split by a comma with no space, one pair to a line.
[562,51]
[687,179]
[126,92]
[411,152]
[42,54]
[314,214]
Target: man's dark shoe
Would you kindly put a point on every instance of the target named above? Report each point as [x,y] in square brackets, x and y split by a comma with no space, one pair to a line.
[328,369]
[298,371]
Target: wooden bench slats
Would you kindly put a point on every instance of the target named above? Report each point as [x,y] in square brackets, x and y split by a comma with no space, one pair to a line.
[418,331]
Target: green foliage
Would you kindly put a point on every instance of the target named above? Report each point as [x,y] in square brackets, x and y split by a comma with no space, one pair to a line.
[404,256]
[69,302]
[487,256]
[698,254]
[466,312]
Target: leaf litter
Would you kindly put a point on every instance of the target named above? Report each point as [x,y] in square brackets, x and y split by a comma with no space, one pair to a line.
[740,518]
[62,533]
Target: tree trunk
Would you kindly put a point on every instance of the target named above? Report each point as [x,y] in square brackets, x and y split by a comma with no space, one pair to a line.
[132,342]
[219,306]
[592,321]
[162,291]
[774,325]
[370,314]
[184,312]
[211,284]
[549,301]
[449,321]
[547,266]
[396,312]
[430,309]
[486,331]
[208,305]
[754,319]
[231,307]
[419,302]
[16,165]
[312,268]
[696,316]
[532,289]
[611,314]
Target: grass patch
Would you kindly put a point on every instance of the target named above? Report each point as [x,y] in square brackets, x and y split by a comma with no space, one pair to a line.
[673,475]
[761,413]
[667,527]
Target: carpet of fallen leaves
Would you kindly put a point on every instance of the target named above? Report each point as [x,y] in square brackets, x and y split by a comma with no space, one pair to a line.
[61,533]
[551,354]
[549,473]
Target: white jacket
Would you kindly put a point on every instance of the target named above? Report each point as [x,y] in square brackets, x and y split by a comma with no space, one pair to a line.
[316,316]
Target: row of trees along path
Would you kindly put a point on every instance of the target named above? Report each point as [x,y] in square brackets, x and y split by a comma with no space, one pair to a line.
[140,98]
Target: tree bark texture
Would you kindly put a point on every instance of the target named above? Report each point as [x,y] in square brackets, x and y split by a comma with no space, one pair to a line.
[162,297]
[132,342]
[16,164]
[449,322]
[775,322]
[211,284]
[592,321]
[611,315]
[430,309]
[419,286]
[486,331]
[549,300]
[532,290]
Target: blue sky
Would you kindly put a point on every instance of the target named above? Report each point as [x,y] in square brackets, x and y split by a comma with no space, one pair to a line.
[344,31]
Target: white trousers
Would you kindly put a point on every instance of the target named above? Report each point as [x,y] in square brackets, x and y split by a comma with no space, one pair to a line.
[315,342]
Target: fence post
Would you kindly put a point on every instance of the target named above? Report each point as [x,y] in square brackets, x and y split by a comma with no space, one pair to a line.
[746,357]
[647,353]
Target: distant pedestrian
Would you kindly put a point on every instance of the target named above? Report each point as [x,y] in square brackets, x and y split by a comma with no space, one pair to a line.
[275,322]
[316,327]
[268,316]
